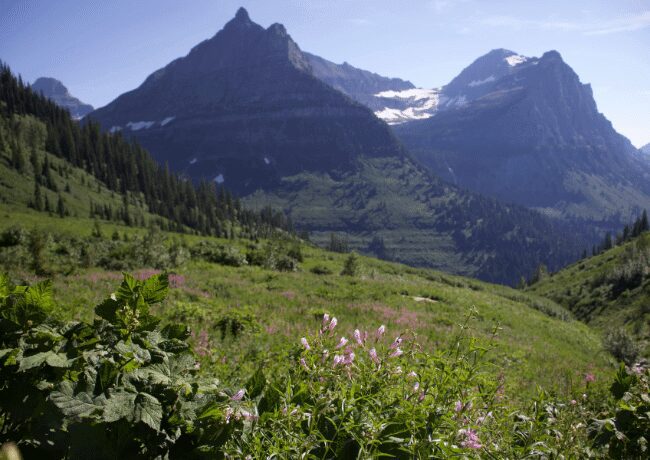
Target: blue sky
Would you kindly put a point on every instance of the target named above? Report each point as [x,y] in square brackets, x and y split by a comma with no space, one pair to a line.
[101,49]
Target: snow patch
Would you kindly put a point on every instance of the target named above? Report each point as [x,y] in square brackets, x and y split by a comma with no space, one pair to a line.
[481,82]
[267,161]
[516,59]
[138,125]
[410,104]
[219,179]
[166,120]
[115,129]
[193,160]
[416,94]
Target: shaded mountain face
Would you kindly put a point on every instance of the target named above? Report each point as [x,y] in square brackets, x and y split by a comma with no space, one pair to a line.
[244,108]
[645,149]
[360,85]
[529,132]
[54,90]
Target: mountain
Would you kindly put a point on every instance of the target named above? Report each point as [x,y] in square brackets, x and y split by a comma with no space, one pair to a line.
[53,89]
[527,131]
[360,85]
[245,109]
[645,149]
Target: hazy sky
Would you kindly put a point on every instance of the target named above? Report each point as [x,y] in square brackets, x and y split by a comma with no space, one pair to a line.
[100,49]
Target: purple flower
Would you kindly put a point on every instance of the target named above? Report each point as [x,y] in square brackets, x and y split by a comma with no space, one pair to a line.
[458,406]
[239,395]
[342,343]
[305,343]
[326,319]
[349,358]
[574,402]
[396,343]
[397,352]
[412,374]
[303,363]
[333,324]
[338,359]
[421,397]
[373,355]
[471,440]
[590,378]
[380,331]
[416,387]
[357,337]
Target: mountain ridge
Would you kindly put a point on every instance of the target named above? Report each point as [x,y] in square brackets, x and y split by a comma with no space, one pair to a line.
[55,90]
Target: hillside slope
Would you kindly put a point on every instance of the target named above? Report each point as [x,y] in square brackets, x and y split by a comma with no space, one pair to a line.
[608,291]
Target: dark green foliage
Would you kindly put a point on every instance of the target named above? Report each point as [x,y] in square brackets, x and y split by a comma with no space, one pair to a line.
[321,270]
[351,265]
[338,243]
[622,346]
[624,432]
[118,388]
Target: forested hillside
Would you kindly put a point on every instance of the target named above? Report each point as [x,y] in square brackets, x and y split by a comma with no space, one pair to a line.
[34,131]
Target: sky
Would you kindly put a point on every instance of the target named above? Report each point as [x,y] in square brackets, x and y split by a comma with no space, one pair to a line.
[101,49]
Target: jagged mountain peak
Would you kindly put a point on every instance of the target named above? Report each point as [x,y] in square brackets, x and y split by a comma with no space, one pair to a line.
[56,91]
[242,15]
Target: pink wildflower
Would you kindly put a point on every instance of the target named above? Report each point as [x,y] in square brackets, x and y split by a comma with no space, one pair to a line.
[422,396]
[305,343]
[326,319]
[248,416]
[416,387]
[471,440]
[349,358]
[396,343]
[228,413]
[458,406]
[396,353]
[357,337]
[333,324]
[589,377]
[373,355]
[574,402]
[380,331]
[303,363]
[338,359]
[342,343]
[239,395]
[412,374]
[482,418]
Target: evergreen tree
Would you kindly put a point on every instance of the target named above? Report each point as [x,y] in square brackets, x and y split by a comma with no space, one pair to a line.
[60,207]
[17,158]
[351,265]
[37,201]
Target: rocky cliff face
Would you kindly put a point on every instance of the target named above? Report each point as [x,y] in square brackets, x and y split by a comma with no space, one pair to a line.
[244,108]
[53,89]
[532,135]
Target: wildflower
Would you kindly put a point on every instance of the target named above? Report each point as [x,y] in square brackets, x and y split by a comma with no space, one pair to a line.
[338,359]
[573,402]
[416,387]
[325,354]
[228,413]
[303,363]
[422,396]
[239,395]
[459,406]
[326,319]
[332,324]
[584,395]
[342,343]
[590,378]
[396,353]
[305,343]
[197,365]
[373,355]
[482,418]
[471,440]
[357,337]
[349,358]
[380,331]
[248,416]
[396,343]
[412,374]
[398,370]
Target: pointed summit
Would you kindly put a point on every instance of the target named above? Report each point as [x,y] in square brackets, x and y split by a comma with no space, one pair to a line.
[242,15]
[56,91]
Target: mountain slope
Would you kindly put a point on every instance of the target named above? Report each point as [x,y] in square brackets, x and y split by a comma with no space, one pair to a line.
[608,291]
[54,90]
[245,109]
[360,85]
[531,134]
[645,149]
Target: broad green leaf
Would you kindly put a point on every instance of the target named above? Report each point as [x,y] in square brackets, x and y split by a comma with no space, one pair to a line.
[77,406]
[118,405]
[155,289]
[148,410]
[128,289]
[108,309]
[176,331]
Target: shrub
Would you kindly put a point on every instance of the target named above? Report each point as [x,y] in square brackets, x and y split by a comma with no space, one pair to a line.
[320,270]
[351,265]
[622,346]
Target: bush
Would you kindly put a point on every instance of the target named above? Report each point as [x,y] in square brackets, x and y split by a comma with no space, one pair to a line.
[622,346]
[351,265]
[320,270]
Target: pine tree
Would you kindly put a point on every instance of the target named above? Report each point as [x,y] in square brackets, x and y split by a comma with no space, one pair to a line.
[17,159]
[351,265]
[37,202]
[60,207]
